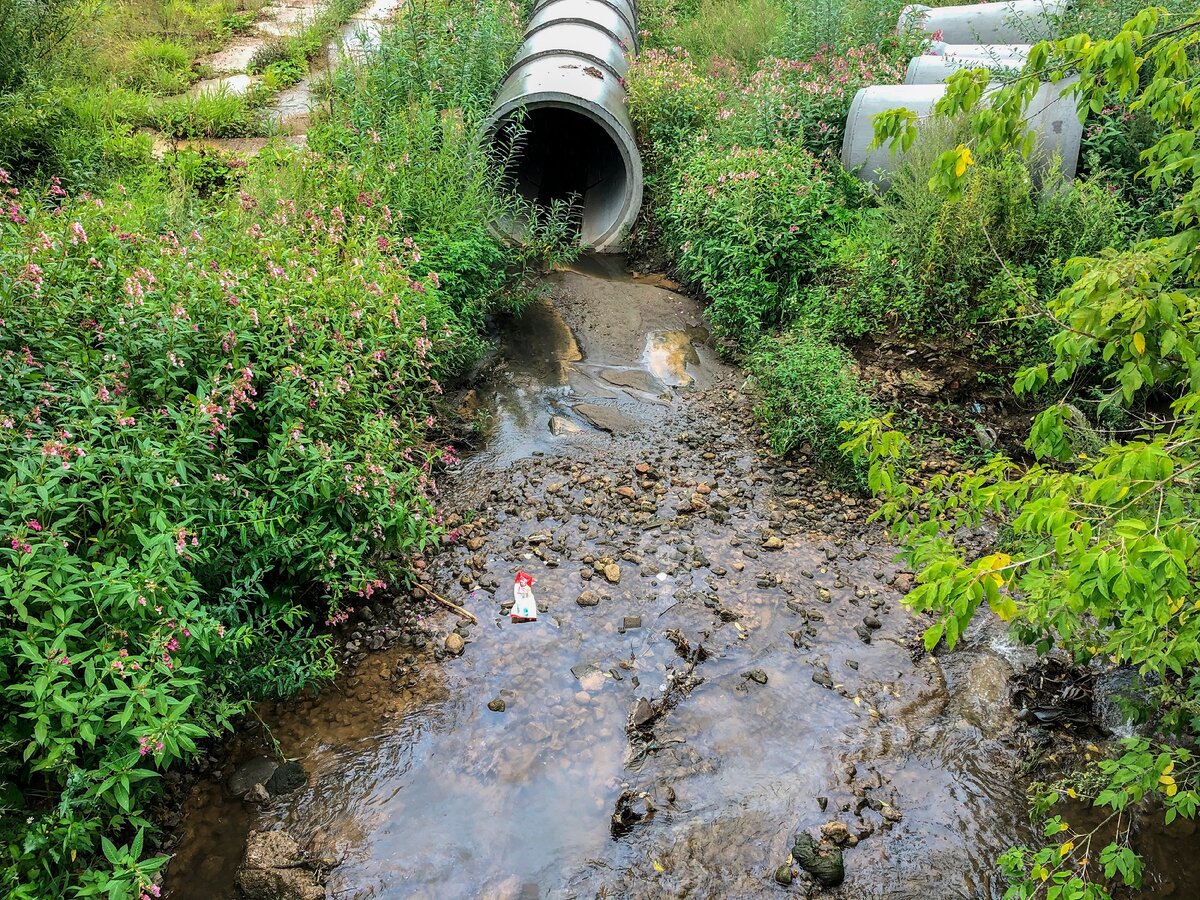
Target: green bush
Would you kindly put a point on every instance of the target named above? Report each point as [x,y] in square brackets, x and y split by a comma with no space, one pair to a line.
[670,102]
[165,54]
[747,227]
[833,26]
[85,135]
[860,284]
[273,51]
[996,253]
[31,38]
[214,430]
[806,388]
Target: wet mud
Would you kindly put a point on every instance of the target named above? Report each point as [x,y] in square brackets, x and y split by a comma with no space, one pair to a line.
[721,660]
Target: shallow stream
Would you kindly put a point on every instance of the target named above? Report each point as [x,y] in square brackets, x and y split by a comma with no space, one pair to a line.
[623,471]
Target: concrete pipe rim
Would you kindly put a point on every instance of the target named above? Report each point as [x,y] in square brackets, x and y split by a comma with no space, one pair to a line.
[623,141]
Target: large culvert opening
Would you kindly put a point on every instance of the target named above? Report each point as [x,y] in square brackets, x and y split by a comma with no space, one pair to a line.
[556,154]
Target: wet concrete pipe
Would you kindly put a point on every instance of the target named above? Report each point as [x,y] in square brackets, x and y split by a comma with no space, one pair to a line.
[565,88]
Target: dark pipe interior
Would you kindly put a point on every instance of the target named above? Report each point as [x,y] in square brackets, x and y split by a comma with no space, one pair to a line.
[563,155]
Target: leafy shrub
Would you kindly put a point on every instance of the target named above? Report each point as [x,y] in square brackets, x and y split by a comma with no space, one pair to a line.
[84,134]
[31,35]
[215,420]
[747,226]
[272,51]
[807,99]
[806,388]
[670,102]
[214,429]
[281,74]
[860,284]
[998,251]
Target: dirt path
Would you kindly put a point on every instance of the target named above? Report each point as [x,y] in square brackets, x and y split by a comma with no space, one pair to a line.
[289,110]
[721,661]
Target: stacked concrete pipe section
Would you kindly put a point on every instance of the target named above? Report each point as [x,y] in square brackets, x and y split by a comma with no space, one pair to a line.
[942,60]
[976,36]
[561,118]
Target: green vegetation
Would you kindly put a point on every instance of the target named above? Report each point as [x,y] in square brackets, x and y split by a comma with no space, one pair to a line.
[219,415]
[795,365]
[1084,293]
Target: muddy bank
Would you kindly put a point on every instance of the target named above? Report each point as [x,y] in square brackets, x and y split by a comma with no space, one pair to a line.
[721,661]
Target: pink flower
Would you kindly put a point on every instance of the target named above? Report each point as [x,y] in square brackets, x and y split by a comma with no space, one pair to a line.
[34,525]
[78,235]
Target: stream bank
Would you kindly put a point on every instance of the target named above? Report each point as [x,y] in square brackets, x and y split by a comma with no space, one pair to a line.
[721,661]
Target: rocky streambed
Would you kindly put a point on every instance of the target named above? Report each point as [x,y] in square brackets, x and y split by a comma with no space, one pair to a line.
[722,696]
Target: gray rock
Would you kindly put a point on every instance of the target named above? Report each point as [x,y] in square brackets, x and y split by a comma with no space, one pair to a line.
[637,379]
[274,869]
[560,425]
[758,676]
[287,778]
[254,771]
[588,598]
[496,705]
[605,418]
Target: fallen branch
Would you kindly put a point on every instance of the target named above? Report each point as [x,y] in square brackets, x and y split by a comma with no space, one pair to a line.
[451,606]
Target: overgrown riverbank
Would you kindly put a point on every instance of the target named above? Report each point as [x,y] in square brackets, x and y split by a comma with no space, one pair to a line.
[219,396]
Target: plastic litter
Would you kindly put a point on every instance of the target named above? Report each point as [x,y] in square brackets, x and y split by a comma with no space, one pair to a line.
[524,605]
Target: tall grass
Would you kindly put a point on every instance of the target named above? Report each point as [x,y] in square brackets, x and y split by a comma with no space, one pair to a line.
[743,32]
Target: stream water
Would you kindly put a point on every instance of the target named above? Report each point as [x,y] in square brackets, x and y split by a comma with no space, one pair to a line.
[623,471]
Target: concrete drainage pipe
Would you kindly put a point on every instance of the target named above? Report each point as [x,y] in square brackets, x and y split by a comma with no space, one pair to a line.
[566,90]
[1052,117]
[943,60]
[1013,22]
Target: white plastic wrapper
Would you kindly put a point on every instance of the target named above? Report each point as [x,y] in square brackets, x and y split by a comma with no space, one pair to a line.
[524,605]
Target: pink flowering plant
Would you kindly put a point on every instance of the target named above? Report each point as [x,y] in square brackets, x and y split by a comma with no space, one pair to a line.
[746,226]
[214,429]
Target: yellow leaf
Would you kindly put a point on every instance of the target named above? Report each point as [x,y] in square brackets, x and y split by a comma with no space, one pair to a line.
[1169,768]
[962,161]
[1004,607]
[1065,849]
[1071,793]
[659,867]
[1139,342]
[1166,779]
